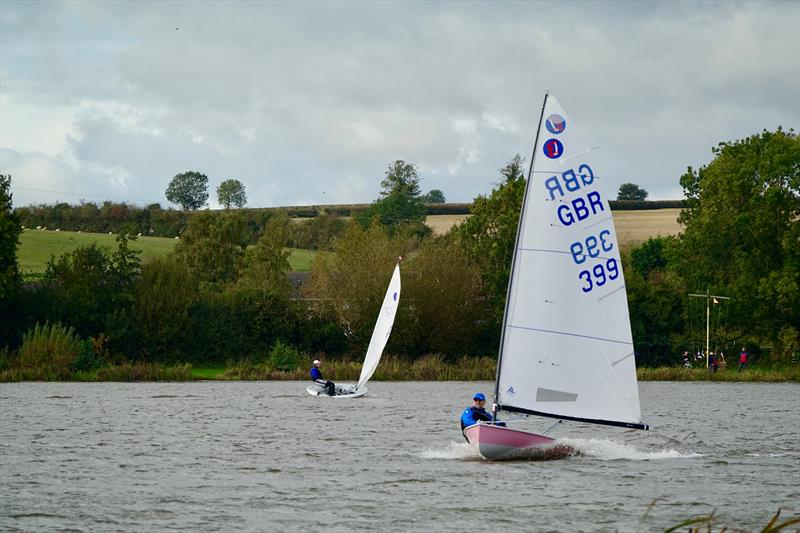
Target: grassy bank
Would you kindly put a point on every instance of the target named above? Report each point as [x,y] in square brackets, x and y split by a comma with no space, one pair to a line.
[427,368]
[752,374]
[124,372]
[36,247]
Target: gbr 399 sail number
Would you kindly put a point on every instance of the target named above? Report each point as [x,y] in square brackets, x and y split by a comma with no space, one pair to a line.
[590,248]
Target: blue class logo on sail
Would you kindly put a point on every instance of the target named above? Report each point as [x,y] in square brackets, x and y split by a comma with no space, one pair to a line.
[553,148]
[555,124]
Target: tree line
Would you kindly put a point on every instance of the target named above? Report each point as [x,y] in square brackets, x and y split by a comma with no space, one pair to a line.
[224,294]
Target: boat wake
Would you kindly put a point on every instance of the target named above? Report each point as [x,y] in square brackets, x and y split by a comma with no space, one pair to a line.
[602,449]
[454,450]
[607,450]
[463,451]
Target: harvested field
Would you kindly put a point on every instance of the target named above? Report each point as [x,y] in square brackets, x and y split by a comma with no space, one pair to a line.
[633,227]
[441,224]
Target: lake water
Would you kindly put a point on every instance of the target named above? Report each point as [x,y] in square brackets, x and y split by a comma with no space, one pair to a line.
[265,456]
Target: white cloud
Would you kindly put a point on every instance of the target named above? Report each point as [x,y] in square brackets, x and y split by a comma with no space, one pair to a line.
[310,102]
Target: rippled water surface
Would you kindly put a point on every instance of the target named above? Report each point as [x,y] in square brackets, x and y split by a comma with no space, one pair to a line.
[265,456]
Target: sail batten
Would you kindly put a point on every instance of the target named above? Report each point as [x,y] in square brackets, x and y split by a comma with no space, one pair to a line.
[570,334]
[566,347]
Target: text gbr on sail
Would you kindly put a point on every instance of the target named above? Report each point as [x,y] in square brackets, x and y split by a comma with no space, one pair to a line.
[579,208]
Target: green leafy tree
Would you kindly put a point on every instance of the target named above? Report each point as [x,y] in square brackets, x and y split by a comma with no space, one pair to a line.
[165,292]
[267,262]
[90,284]
[514,169]
[742,234]
[316,233]
[442,310]
[400,201]
[488,235]
[435,196]
[231,193]
[631,191]
[9,240]
[189,190]
[656,296]
[348,285]
[213,245]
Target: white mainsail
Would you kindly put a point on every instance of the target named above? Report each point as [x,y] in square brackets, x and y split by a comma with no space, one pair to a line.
[567,349]
[383,328]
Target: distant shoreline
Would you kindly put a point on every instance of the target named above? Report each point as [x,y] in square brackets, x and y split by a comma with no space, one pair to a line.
[428,368]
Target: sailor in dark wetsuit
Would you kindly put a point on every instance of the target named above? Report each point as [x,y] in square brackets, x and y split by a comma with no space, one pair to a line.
[316,376]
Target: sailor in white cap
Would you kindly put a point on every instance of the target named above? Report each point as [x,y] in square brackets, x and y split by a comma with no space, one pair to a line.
[316,376]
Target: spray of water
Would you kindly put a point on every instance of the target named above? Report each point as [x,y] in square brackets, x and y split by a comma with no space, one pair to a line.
[601,449]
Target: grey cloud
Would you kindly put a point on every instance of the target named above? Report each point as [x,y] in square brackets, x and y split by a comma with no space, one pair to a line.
[309,102]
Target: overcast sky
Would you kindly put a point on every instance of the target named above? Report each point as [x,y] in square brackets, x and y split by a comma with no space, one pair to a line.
[309,102]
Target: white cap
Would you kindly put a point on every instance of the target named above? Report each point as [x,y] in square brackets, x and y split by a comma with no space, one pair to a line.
[316,361]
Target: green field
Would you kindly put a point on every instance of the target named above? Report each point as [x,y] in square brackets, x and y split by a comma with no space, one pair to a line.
[37,246]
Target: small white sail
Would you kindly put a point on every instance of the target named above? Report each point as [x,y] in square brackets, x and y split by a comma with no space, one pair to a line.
[567,349]
[383,328]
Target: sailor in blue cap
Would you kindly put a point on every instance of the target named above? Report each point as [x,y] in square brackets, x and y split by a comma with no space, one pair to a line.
[475,412]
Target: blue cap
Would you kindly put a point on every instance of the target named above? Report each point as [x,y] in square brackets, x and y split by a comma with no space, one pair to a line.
[479,396]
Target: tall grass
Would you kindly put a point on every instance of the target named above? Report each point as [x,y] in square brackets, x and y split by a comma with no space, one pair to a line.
[143,372]
[750,374]
[47,352]
[391,368]
[710,524]
[123,372]
[436,368]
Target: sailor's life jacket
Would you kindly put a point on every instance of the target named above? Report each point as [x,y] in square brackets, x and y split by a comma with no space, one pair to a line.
[472,415]
[316,374]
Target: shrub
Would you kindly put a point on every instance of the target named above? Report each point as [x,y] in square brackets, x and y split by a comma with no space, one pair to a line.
[86,359]
[4,358]
[49,349]
[164,294]
[284,357]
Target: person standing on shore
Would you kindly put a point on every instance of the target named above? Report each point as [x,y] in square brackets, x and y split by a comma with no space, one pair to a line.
[713,362]
[743,359]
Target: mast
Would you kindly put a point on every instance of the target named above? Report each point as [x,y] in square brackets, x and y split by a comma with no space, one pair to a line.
[708,296]
[513,261]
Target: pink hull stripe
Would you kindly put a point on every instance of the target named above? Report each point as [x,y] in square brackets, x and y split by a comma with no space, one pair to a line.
[495,441]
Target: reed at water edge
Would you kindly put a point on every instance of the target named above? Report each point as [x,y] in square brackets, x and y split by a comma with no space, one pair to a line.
[437,368]
[391,368]
[750,374]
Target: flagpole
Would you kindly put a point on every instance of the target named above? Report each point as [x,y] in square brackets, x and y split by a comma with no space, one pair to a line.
[708,296]
[708,329]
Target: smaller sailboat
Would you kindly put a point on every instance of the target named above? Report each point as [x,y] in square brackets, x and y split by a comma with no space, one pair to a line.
[380,336]
[566,349]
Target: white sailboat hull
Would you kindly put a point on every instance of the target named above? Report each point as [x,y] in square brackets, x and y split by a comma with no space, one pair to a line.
[346,390]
